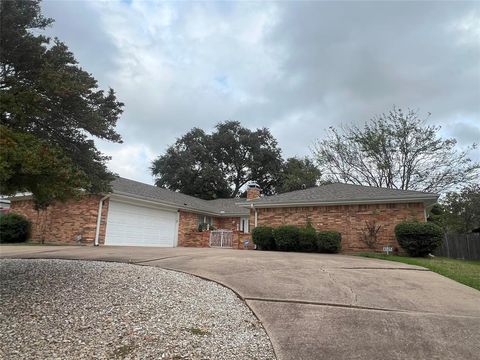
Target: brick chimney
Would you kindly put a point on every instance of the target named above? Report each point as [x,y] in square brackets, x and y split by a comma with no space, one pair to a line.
[253,191]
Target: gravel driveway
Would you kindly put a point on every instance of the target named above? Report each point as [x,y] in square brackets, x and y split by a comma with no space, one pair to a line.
[79,309]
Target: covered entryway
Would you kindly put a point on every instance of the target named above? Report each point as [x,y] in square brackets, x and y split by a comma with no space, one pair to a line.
[137,225]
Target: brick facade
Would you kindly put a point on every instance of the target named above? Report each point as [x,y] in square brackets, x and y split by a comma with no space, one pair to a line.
[72,222]
[228,223]
[253,193]
[349,220]
[188,234]
[66,222]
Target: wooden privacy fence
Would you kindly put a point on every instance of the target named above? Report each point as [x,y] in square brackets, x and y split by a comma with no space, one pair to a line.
[460,246]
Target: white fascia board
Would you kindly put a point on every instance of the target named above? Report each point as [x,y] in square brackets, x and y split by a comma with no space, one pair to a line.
[166,205]
[142,202]
[429,200]
[19,196]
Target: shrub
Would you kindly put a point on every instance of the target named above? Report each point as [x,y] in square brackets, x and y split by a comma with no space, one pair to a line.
[205,227]
[286,237]
[14,228]
[418,239]
[262,236]
[329,241]
[307,239]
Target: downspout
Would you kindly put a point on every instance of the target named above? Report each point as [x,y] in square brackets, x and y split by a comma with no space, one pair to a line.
[256,215]
[99,218]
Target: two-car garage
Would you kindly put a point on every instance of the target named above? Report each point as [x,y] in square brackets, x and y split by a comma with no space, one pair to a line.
[131,224]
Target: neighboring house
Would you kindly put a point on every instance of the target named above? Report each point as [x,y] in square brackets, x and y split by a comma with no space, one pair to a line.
[4,205]
[145,215]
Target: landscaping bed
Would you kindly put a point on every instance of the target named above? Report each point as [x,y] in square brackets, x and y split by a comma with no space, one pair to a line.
[464,271]
[79,309]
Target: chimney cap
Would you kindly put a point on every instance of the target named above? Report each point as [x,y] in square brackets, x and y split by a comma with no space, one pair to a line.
[253,185]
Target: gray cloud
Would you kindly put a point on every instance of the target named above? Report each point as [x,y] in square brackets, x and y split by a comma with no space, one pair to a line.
[296,68]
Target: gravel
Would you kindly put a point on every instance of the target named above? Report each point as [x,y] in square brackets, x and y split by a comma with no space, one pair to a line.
[60,309]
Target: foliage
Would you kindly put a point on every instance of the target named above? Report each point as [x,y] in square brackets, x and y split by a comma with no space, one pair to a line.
[205,227]
[297,174]
[262,236]
[329,241]
[462,209]
[219,164]
[286,237]
[28,164]
[45,93]
[438,216]
[395,150]
[465,272]
[418,239]
[14,228]
[307,239]
[370,234]
[187,166]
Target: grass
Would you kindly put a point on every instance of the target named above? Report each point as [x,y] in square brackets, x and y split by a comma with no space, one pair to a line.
[466,272]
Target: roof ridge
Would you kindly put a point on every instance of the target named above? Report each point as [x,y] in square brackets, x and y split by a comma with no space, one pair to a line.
[136,188]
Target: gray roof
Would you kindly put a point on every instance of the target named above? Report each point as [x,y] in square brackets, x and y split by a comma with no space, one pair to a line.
[229,206]
[338,193]
[220,207]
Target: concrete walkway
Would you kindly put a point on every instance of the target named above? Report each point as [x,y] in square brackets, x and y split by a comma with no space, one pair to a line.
[317,306]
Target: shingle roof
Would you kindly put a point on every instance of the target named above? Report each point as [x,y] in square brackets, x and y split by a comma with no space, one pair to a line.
[140,190]
[229,206]
[344,193]
[326,194]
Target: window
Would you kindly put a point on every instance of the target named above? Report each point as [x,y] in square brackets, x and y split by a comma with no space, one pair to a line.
[244,224]
[202,219]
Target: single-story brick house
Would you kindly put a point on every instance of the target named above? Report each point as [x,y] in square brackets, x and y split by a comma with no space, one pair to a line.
[138,214]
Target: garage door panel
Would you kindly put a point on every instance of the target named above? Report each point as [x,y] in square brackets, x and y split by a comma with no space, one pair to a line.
[129,224]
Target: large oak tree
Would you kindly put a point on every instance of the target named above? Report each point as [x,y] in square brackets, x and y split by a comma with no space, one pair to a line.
[395,150]
[48,101]
[219,164]
[297,174]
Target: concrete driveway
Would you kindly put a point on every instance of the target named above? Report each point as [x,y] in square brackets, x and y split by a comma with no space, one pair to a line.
[317,306]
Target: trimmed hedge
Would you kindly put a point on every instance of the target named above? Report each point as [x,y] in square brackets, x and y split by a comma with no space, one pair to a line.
[307,239]
[418,239]
[262,236]
[14,228]
[286,237]
[329,241]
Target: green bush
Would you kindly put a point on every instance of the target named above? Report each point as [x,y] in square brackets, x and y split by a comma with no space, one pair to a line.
[262,236]
[286,238]
[329,241]
[14,228]
[307,239]
[418,239]
[205,227]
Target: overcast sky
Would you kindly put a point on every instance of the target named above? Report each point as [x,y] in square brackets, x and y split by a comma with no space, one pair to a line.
[293,67]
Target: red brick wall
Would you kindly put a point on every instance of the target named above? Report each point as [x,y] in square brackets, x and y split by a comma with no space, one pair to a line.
[349,220]
[229,223]
[196,239]
[189,236]
[202,239]
[253,193]
[63,222]
[188,222]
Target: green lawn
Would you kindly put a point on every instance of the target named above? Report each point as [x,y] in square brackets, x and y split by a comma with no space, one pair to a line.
[464,271]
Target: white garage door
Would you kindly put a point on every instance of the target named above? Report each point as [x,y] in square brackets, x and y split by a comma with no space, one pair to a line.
[139,226]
